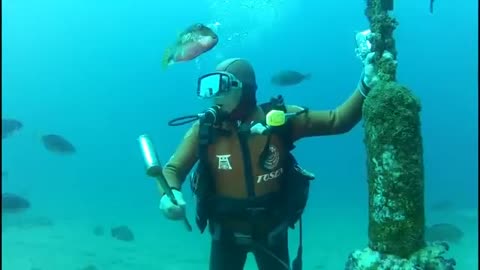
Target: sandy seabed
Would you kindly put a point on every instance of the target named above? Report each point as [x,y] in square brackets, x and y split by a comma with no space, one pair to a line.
[33,243]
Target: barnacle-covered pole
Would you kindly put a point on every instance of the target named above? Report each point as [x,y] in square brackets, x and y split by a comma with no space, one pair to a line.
[394,164]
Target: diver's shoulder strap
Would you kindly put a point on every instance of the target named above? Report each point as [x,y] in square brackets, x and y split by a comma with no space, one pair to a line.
[207,134]
[284,131]
[204,139]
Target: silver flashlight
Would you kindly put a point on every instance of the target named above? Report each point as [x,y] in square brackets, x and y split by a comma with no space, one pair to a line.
[154,169]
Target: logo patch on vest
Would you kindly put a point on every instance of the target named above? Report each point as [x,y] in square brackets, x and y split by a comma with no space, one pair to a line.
[224,162]
[269,176]
[273,158]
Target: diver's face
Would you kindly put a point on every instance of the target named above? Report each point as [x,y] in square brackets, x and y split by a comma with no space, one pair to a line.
[229,100]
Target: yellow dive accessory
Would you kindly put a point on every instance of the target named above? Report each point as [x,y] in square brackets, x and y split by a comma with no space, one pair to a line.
[275,118]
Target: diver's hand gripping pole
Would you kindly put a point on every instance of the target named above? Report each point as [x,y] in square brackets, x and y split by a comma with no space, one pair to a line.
[154,169]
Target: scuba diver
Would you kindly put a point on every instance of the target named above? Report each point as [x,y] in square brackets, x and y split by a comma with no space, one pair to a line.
[249,189]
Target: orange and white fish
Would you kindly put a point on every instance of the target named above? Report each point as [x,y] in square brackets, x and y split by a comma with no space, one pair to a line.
[194,41]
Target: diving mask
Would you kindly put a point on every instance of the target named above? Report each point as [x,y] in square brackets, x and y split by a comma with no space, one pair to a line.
[216,84]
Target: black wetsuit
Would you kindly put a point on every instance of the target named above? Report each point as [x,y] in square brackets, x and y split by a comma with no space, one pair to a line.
[227,254]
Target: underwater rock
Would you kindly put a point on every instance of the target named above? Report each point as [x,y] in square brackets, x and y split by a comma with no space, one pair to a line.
[26,223]
[443,232]
[40,221]
[431,257]
[442,206]
[98,230]
[89,267]
[122,233]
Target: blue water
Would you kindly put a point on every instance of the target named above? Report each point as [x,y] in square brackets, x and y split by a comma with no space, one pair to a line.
[91,71]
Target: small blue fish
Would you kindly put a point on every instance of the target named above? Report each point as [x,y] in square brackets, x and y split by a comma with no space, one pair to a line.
[58,144]
[12,203]
[10,126]
[288,78]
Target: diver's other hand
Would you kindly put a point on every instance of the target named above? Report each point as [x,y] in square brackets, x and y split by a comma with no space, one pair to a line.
[370,76]
[169,209]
